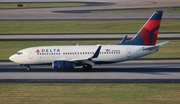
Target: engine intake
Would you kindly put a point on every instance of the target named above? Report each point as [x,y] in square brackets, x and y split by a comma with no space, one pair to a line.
[62,65]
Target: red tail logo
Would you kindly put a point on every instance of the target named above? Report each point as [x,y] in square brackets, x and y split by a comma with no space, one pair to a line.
[149,32]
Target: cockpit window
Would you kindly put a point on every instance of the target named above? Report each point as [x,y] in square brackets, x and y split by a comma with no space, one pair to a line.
[19,53]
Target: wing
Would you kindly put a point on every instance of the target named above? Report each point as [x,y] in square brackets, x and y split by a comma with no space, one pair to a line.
[87,60]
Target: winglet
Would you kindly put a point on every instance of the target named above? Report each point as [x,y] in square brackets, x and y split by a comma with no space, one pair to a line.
[96,54]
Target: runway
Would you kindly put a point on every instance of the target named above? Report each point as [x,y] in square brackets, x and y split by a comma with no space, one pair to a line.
[48,14]
[136,71]
[84,12]
[79,37]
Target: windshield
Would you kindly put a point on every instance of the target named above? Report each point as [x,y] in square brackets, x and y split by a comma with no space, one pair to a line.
[19,53]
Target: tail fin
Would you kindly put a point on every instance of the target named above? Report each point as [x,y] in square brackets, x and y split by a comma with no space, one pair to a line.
[147,35]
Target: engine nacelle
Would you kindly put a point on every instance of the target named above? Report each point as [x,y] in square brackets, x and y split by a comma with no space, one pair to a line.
[60,64]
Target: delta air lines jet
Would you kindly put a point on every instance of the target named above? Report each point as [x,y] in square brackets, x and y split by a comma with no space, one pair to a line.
[68,57]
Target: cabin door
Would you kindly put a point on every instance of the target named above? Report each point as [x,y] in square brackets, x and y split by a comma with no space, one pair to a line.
[30,54]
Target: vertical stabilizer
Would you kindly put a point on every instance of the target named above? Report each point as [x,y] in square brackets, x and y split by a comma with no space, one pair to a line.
[147,35]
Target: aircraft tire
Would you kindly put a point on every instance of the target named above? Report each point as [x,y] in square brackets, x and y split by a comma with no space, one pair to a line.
[28,68]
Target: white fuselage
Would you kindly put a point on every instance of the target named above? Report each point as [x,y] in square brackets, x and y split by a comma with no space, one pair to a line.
[107,54]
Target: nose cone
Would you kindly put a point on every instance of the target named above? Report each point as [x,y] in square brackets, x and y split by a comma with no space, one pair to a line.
[12,58]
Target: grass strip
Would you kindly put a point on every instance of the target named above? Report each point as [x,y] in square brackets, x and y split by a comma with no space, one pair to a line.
[166,10]
[40,5]
[81,26]
[89,93]
[170,50]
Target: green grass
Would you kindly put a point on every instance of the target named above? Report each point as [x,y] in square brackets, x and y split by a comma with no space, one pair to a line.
[170,50]
[166,10]
[89,93]
[40,5]
[81,26]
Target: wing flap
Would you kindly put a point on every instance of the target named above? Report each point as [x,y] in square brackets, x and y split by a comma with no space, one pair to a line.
[78,59]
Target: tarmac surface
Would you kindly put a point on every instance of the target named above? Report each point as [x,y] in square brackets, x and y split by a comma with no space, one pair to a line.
[135,71]
[84,12]
[53,14]
[79,37]
[35,14]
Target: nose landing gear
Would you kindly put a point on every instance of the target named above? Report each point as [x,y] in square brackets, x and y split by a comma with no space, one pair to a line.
[28,68]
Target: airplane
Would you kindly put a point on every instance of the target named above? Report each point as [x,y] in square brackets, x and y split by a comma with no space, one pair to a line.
[87,56]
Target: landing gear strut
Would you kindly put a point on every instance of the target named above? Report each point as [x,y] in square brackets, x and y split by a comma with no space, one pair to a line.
[28,68]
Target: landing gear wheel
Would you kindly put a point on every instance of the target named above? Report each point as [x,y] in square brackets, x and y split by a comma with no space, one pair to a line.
[28,68]
[89,67]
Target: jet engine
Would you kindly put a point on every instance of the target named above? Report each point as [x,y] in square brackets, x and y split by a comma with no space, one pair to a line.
[60,64]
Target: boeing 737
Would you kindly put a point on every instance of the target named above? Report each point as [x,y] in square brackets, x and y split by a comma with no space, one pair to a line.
[68,57]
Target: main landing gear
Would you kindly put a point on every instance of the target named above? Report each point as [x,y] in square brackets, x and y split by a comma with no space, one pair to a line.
[86,67]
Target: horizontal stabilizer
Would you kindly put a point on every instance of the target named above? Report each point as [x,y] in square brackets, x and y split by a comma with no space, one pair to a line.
[155,47]
[150,48]
[161,44]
